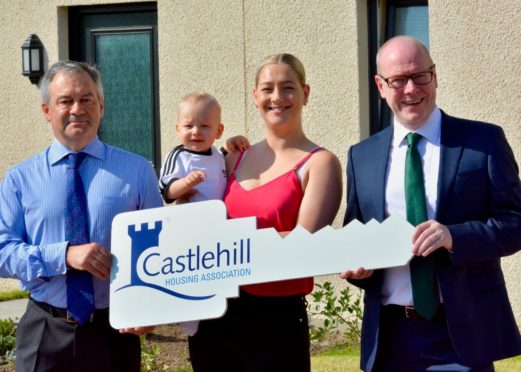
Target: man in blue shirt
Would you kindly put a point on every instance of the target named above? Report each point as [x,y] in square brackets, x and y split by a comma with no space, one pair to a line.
[33,246]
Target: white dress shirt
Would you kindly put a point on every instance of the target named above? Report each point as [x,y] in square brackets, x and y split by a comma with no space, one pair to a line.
[397,281]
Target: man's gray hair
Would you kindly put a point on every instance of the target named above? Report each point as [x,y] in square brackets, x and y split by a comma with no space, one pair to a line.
[70,67]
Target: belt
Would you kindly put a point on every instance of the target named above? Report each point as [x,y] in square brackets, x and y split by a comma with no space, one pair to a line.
[98,316]
[409,312]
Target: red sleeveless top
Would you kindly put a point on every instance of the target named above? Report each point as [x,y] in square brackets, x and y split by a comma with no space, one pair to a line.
[275,204]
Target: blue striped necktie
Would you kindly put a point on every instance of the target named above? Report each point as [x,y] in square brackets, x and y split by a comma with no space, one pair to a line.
[423,278]
[80,292]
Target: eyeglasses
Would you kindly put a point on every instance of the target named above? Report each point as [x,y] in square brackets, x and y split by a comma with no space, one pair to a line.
[420,78]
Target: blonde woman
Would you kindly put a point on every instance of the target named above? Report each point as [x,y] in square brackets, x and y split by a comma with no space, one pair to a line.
[283,180]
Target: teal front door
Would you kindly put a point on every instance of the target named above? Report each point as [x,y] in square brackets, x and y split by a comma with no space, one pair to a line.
[122,42]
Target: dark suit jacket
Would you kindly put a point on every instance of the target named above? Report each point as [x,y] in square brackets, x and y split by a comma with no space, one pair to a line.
[479,199]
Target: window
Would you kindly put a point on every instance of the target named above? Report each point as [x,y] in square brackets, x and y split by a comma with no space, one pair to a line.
[388,18]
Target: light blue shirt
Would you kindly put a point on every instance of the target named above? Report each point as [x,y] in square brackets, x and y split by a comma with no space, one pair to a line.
[32,204]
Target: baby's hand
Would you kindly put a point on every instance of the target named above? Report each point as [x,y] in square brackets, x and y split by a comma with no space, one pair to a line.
[194,178]
[237,143]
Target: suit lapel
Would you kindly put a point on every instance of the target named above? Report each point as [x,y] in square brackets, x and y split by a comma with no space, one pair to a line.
[380,155]
[450,155]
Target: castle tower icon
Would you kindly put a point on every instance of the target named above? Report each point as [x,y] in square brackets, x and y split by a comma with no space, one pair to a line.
[142,240]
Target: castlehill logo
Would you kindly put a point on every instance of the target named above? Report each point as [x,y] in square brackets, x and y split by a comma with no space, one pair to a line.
[195,262]
[182,263]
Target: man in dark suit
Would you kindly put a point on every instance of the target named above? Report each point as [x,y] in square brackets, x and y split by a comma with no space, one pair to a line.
[472,203]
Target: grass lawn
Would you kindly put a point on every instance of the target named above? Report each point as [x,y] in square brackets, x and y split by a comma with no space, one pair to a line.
[347,360]
[508,365]
[340,359]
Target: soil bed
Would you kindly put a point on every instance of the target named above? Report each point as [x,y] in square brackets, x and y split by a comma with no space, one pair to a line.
[173,345]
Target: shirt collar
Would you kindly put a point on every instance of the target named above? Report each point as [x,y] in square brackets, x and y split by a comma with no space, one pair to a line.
[58,151]
[431,130]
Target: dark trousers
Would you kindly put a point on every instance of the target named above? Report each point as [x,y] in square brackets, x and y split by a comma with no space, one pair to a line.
[46,342]
[414,344]
[256,334]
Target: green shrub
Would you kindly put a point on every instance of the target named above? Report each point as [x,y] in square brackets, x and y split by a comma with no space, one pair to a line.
[7,340]
[339,310]
[149,354]
[13,295]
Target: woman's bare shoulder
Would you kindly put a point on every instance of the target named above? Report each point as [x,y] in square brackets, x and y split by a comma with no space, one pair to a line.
[324,157]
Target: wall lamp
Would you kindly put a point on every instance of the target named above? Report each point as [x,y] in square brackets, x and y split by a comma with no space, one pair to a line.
[32,58]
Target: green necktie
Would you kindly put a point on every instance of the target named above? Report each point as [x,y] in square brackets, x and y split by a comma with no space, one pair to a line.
[423,279]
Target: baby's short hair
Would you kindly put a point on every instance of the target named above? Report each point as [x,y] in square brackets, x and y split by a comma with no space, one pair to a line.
[206,98]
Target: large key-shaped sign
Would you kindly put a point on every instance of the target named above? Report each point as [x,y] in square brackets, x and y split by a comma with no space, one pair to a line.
[182,262]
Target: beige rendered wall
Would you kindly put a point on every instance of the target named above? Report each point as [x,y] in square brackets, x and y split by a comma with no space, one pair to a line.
[217,47]
[201,48]
[476,45]
[23,128]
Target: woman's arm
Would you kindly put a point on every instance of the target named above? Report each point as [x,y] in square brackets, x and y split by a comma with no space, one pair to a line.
[322,184]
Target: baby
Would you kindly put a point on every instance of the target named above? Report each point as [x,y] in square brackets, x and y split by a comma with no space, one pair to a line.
[195,170]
